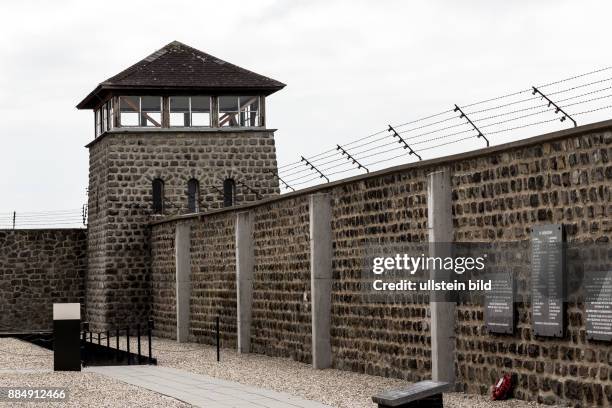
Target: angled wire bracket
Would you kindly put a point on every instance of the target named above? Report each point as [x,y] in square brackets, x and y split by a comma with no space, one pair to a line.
[402,141]
[242,183]
[351,158]
[312,167]
[217,189]
[275,174]
[463,115]
[551,103]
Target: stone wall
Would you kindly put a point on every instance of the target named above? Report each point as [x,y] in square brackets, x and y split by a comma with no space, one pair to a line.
[500,197]
[39,268]
[281,281]
[213,276]
[123,165]
[163,281]
[499,194]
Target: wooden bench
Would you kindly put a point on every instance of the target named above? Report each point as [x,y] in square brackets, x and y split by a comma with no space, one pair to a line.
[423,394]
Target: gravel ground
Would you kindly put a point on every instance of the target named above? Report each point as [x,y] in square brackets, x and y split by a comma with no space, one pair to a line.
[341,389]
[85,389]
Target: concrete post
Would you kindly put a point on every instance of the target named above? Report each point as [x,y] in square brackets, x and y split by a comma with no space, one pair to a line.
[182,245]
[440,231]
[321,279]
[245,264]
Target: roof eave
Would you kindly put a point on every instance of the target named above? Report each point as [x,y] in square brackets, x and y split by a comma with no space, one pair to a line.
[89,101]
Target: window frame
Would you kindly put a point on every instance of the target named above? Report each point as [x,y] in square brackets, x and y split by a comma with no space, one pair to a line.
[161,112]
[229,197]
[157,209]
[190,111]
[238,114]
[140,112]
[195,197]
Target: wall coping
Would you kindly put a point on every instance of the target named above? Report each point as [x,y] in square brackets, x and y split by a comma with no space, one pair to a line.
[41,229]
[547,137]
[142,130]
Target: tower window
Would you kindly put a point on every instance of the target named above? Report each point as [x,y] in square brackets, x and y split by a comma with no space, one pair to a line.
[190,111]
[193,193]
[239,111]
[129,108]
[98,122]
[140,111]
[158,196]
[229,192]
[150,114]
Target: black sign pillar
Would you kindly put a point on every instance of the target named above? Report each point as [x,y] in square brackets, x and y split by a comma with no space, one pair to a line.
[66,337]
[548,280]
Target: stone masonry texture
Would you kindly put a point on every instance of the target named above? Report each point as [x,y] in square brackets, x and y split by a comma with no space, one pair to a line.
[39,268]
[499,194]
[123,165]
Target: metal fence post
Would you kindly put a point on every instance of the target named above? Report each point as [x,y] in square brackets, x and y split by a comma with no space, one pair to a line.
[127,336]
[118,352]
[218,352]
[138,334]
[149,332]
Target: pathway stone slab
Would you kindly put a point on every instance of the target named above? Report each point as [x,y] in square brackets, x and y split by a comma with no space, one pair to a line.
[202,390]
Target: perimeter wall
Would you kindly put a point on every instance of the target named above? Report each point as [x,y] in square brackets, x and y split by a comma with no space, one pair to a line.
[499,194]
[39,268]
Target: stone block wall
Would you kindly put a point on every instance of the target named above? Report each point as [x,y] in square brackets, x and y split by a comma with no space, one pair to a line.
[123,165]
[387,339]
[499,194]
[281,282]
[213,277]
[500,197]
[163,281]
[39,268]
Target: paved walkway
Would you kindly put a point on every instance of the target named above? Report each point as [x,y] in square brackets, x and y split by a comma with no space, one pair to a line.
[202,390]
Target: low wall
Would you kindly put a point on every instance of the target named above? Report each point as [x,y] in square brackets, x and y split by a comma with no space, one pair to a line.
[39,268]
[498,194]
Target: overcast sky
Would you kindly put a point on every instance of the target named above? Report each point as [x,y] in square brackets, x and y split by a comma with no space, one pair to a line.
[350,67]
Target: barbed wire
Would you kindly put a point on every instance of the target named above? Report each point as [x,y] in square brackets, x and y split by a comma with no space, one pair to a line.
[378,145]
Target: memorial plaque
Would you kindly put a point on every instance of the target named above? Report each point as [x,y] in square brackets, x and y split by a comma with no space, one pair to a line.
[598,303]
[499,304]
[547,280]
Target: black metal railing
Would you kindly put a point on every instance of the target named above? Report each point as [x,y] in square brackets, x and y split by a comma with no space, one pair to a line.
[98,350]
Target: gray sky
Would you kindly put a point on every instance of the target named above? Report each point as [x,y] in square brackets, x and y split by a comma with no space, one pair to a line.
[351,67]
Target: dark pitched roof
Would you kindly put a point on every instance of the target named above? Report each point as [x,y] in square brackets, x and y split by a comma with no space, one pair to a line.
[180,67]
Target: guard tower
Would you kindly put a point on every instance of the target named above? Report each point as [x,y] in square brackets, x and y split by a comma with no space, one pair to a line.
[179,132]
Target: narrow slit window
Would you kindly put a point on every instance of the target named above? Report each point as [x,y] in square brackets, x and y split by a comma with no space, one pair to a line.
[104,118]
[98,122]
[158,196]
[129,109]
[193,195]
[109,113]
[229,192]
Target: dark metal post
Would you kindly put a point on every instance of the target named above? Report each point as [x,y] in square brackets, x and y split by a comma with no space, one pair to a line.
[117,338]
[108,338]
[91,337]
[99,337]
[14,217]
[218,353]
[84,348]
[127,336]
[149,332]
[138,334]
